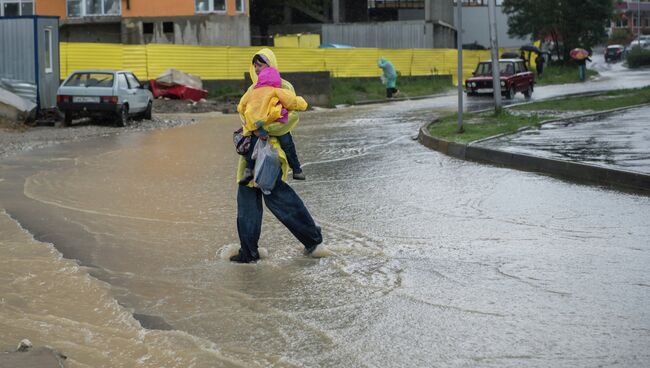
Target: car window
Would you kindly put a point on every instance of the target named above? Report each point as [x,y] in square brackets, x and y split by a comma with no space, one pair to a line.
[484,69]
[121,81]
[133,81]
[507,68]
[90,80]
[519,67]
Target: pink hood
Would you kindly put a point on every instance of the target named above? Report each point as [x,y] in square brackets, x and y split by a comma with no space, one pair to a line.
[269,77]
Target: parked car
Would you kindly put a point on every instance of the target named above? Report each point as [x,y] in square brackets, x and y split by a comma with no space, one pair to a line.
[515,77]
[642,41]
[102,94]
[615,53]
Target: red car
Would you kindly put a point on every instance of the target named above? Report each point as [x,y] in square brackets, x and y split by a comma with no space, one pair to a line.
[515,77]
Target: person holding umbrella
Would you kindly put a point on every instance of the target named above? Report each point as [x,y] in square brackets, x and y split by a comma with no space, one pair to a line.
[581,56]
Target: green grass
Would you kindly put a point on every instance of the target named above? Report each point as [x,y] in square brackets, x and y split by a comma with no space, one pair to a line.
[605,101]
[353,90]
[482,125]
[225,91]
[561,74]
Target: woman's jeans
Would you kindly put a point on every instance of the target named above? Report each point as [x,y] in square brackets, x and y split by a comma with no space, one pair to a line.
[582,70]
[287,207]
[286,143]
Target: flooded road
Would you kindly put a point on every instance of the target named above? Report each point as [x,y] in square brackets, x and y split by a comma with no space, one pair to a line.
[437,261]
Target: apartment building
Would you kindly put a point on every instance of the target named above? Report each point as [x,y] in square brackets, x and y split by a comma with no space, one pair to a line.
[186,22]
[633,15]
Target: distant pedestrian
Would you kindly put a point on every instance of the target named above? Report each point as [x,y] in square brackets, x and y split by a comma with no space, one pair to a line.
[390,76]
[539,64]
[582,68]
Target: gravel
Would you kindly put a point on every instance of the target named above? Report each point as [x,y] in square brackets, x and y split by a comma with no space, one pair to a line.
[15,139]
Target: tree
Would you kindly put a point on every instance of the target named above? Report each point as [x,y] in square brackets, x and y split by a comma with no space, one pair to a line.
[568,23]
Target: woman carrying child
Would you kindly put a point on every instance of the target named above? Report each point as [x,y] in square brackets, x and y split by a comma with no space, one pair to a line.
[283,201]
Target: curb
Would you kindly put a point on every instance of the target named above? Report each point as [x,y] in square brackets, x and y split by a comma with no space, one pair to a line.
[575,171]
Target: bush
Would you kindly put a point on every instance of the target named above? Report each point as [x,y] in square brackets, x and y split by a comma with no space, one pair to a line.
[638,57]
[621,36]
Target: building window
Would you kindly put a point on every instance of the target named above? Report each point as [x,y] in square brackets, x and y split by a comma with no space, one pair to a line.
[240,6]
[48,50]
[82,8]
[207,6]
[15,8]
[147,28]
[168,27]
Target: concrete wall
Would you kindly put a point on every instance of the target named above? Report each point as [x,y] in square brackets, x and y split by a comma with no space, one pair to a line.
[476,28]
[92,32]
[314,87]
[209,30]
[394,35]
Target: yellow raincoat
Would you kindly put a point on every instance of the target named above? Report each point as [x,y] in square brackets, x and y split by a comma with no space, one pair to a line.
[274,129]
[265,102]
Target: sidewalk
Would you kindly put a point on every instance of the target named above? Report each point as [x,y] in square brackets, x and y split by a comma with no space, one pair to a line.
[620,141]
[612,149]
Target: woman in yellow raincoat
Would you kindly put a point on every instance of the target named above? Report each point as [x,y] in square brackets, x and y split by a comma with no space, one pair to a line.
[283,201]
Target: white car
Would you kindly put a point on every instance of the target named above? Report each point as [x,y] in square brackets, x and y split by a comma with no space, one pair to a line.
[642,40]
[104,94]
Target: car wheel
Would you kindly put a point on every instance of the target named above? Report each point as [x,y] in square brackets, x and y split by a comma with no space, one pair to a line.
[529,91]
[511,93]
[147,112]
[123,116]
[67,118]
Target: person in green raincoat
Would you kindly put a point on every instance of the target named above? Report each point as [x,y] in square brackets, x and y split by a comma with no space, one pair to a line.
[282,200]
[390,76]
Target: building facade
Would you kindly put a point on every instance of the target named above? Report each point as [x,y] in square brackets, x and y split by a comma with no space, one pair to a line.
[633,16]
[377,23]
[188,22]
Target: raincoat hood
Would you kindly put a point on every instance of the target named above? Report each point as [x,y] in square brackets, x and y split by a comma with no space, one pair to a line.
[269,77]
[266,54]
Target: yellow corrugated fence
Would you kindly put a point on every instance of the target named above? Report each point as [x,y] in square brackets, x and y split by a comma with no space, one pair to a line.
[230,62]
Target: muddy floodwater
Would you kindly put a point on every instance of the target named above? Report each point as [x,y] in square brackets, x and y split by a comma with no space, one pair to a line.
[111,251]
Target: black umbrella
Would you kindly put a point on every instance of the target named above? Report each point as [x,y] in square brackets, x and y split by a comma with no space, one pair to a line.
[530,48]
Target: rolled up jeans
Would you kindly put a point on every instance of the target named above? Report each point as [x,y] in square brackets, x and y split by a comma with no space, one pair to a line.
[287,207]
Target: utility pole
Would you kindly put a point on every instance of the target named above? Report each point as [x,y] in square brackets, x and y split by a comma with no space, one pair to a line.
[459,42]
[638,21]
[494,47]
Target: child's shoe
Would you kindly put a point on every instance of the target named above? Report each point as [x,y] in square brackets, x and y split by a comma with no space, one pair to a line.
[298,175]
[247,177]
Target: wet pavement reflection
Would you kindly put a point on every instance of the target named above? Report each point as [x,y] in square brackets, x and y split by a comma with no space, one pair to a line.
[437,261]
[619,141]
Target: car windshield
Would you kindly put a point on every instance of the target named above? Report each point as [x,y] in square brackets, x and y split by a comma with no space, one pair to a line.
[613,50]
[90,80]
[505,68]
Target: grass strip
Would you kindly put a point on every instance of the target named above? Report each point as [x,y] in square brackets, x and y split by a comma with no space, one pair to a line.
[351,90]
[561,74]
[606,101]
[482,125]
